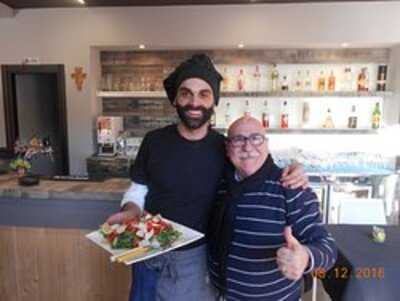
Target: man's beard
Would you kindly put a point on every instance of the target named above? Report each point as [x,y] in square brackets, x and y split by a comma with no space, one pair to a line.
[194,123]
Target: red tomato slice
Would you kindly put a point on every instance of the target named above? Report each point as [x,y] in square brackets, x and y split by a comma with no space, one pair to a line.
[111,236]
[149,226]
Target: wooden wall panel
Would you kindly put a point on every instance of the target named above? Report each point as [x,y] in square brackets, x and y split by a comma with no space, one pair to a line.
[57,265]
[67,269]
[49,289]
[8,280]
[27,249]
[138,107]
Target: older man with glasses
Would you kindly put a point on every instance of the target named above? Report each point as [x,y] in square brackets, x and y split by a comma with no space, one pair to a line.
[263,237]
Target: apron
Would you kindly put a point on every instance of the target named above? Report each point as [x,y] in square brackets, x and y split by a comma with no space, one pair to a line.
[175,276]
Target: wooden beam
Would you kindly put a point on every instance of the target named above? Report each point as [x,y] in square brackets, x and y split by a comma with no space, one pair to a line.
[6,11]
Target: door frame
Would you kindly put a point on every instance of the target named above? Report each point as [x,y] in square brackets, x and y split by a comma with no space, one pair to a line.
[8,73]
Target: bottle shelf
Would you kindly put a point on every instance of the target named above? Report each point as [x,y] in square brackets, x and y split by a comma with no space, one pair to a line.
[300,94]
[295,131]
[284,94]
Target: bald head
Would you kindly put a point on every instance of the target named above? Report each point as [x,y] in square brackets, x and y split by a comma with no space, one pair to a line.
[247,145]
[244,123]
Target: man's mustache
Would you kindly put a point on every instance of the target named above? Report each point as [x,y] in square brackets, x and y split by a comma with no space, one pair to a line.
[193,108]
[248,156]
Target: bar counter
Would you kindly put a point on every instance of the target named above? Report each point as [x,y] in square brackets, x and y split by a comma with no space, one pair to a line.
[44,254]
[110,189]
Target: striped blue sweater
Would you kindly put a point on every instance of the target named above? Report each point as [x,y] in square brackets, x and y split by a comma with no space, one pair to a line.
[260,211]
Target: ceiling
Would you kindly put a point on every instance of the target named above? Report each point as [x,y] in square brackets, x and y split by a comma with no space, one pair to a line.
[21,4]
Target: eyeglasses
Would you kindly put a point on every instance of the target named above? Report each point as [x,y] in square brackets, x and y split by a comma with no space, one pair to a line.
[240,140]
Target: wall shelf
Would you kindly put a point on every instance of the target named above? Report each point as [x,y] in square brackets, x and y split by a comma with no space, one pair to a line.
[162,94]
[131,94]
[315,131]
[298,94]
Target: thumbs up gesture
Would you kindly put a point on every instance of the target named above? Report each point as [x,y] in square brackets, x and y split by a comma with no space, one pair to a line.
[293,258]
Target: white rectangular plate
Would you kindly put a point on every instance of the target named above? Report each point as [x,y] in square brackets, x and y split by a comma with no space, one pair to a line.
[188,236]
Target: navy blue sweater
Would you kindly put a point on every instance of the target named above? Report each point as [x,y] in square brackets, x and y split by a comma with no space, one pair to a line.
[256,210]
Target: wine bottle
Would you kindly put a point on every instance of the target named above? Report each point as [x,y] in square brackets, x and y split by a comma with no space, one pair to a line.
[381,82]
[284,116]
[241,81]
[328,123]
[321,82]
[352,122]
[274,78]
[331,82]
[376,117]
[265,116]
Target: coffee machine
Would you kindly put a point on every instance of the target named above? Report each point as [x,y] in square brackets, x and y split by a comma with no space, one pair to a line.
[108,130]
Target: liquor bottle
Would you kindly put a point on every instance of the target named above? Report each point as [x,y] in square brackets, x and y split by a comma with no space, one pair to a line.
[321,82]
[247,109]
[274,78]
[298,83]
[265,116]
[241,81]
[308,81]
[285,84]
[367,79]
[352,122]
[347,83]
[363,80]
[331,82]
[376,117]
[257,78]
[328,123]
[226,79]
[284,116]
[381,82]
[306,114]
[228,114]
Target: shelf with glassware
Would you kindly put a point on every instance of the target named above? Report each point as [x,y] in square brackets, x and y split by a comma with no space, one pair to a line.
[257,80]
[300,131]
[319,79]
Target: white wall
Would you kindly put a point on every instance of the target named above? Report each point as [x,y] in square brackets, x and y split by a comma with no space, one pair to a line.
[65,36]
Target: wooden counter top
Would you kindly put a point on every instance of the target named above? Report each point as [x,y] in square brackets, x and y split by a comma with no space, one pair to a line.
[111,189]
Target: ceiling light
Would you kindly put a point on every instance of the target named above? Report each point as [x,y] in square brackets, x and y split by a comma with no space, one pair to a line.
[241,45]
[344,45]
[81,1]
[142,46]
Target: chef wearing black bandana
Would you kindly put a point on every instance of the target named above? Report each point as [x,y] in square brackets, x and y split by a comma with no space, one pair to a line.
[176,174]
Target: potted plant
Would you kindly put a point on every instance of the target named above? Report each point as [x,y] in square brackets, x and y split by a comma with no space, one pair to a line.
[24,154]
[21,166]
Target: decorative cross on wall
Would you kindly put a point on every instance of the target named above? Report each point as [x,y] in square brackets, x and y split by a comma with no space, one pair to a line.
[79,76]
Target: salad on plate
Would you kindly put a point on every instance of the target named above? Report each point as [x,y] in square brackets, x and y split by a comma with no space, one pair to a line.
[150,232]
